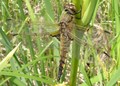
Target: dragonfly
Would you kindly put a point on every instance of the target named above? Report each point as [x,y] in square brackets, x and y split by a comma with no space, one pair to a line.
[65,28]
[66,25]
[64,34]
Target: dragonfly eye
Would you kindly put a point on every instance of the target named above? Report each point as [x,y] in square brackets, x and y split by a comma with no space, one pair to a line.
[71,12]
[70,9]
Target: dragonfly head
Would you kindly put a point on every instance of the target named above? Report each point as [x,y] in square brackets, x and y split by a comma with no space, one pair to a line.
[70,9]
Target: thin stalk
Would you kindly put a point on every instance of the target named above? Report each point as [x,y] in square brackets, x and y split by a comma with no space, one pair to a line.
[117,22]
[75,58]
[4,6]
[75,48]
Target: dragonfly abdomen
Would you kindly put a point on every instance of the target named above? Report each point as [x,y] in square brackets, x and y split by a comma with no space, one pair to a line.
[64,47]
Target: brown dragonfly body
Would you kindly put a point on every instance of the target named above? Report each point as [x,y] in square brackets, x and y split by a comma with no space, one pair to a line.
[66,26]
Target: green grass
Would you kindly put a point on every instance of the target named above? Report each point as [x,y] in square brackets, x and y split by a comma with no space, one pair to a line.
[94,57]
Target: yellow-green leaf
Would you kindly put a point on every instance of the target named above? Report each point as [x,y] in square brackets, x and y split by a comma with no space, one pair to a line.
[5,61]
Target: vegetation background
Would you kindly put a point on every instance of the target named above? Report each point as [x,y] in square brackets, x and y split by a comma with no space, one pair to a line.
[27,24]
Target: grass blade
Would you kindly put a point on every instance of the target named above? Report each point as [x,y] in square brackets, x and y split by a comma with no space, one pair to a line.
[114,78]
[5,61]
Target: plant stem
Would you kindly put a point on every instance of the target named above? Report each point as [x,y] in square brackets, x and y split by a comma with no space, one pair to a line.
[75,58]
[75,47]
